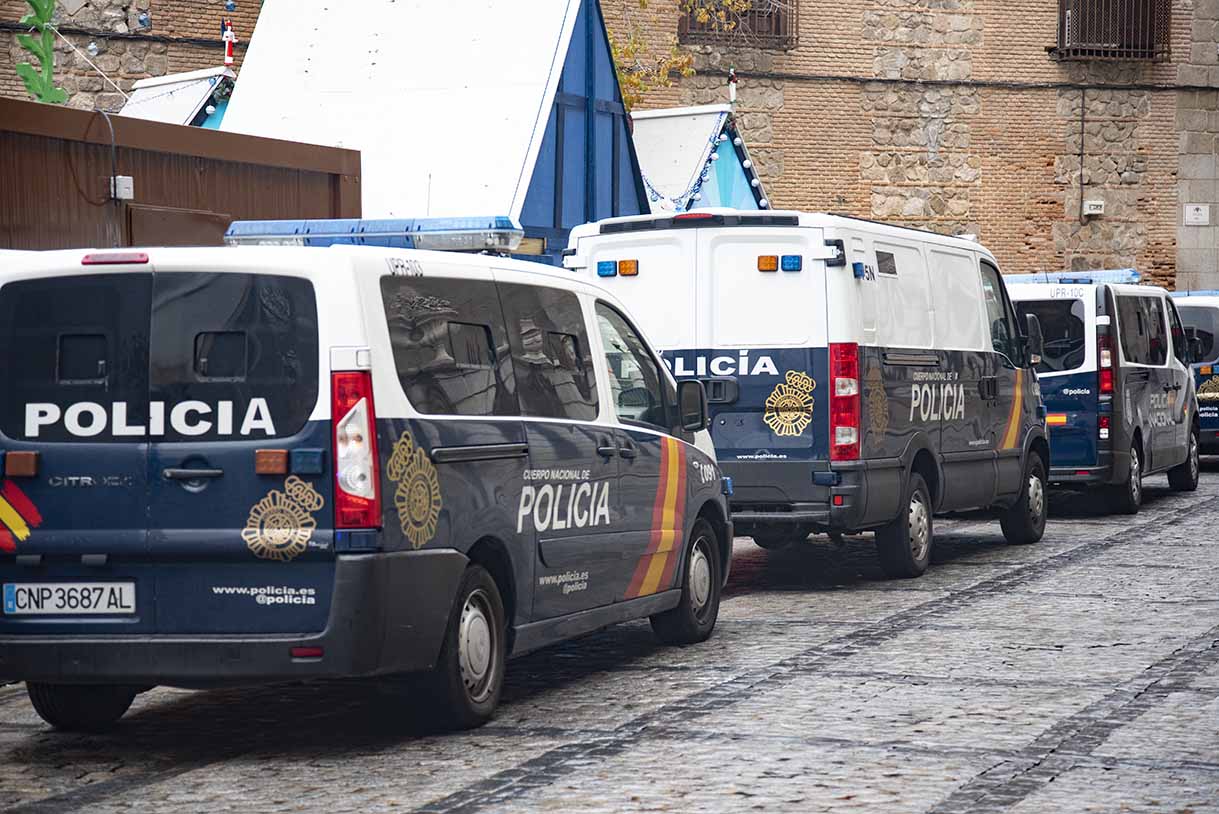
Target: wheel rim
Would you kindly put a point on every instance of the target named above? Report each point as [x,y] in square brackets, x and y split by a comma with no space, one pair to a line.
[477,649]
[1036,499]
[1136,476]
[920,527]
[700,577]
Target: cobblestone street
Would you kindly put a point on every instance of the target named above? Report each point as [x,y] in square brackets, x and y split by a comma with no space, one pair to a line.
[1078,674]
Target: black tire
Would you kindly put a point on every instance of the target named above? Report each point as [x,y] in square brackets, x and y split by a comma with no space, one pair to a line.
[1127,497]
[1184,476]
[1024,522]
[80,707]
[905,554]
[694,617]
[466,683]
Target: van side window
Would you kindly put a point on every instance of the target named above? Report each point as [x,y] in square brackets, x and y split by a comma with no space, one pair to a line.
[886,263]
[450,347]
[1204,323]
[1180,345]
[635,380]
[551,354]
[1002,333]
[1144,336]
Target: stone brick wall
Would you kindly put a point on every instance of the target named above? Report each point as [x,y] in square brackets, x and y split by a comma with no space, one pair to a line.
[951,115]
[128,48]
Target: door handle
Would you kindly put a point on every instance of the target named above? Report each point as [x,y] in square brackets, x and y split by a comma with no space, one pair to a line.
[629,453]
[191,474]
[606,451]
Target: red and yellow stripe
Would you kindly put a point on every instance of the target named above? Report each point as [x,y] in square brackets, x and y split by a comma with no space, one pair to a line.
[658,565]
[1012,435]
[18,515]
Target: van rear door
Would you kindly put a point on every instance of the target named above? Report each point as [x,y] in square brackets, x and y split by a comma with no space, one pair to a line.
[240,503]
[74,362]
[763,349]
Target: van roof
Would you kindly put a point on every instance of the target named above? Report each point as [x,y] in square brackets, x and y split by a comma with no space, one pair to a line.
[295,260]
[1036,290]
[715,217]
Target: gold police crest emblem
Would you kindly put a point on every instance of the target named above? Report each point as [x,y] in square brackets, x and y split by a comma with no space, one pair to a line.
[1209,391]
[417,497]
[281,525]
[789,409]
[877,403]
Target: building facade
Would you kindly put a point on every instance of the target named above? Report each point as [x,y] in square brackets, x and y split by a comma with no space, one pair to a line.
[1001,118]
[971,116]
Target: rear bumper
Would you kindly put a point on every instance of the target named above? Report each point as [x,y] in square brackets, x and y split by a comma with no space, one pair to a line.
[388,614]
[1112,468]
[1208,441]
[781,498]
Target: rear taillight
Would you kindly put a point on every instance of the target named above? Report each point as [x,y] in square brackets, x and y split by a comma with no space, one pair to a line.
[1102,427]
[844,402]
[357,503]
[1104,349]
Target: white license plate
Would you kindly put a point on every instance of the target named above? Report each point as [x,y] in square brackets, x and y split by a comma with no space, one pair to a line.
[68,598]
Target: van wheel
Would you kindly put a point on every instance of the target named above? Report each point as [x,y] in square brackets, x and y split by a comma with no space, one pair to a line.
[1184,476]
[1024,523]
[1126,498]
[694,617]
[80,707]
[469,676]
[905,544]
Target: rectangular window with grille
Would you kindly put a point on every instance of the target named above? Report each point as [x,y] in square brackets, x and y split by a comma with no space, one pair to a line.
[1117,30]
[762,23]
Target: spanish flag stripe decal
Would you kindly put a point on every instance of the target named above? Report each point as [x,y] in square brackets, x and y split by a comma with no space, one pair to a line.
[679,516]
[7,543]
[1013,422]
[13,520]
[655,567]
[13,494]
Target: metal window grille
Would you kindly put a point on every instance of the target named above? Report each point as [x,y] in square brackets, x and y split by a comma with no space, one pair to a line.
[1116,30]
[767,24]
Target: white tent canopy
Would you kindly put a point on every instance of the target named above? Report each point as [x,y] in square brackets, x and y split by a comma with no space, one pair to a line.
[174,99]
[447,101]
[675,148]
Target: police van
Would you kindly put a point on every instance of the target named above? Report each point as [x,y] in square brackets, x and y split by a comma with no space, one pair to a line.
[1199,312]
[275,463]
[1115,377]
[861,376]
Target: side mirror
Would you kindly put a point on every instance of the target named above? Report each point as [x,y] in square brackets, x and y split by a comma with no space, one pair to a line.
[692,405]
[1036,343]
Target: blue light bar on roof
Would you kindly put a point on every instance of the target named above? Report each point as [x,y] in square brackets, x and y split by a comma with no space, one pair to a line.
[1119,276]
[1201,293]
[498,233]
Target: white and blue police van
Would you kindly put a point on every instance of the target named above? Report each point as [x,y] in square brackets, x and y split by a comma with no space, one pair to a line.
[1199,312]
[1115,377]
[300,460]
[861,376]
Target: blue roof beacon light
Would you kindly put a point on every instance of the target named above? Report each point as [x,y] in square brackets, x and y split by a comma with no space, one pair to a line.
[1118,276]
[498,234]
[1206,292]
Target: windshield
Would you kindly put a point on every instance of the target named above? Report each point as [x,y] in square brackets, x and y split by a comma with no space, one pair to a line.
[1062,325]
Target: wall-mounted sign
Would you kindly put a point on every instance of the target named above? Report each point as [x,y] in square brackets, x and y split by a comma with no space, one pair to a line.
[1197,214]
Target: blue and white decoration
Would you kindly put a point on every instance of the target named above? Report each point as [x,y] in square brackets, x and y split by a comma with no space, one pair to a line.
[694,157]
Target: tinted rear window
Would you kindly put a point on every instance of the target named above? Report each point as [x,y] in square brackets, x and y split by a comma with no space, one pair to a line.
[1062,325]
[1204,322]
[450,347]
[244,347]
[71,348]
[231,356]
